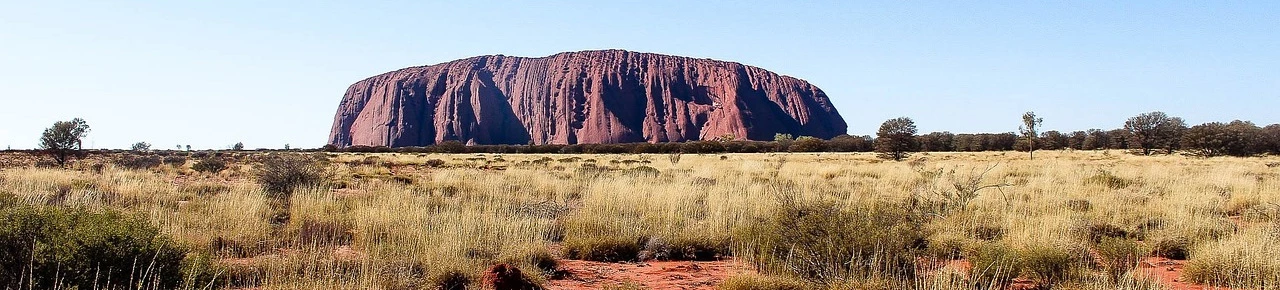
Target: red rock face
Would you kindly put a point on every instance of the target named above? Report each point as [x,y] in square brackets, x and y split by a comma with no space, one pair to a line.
[609,96]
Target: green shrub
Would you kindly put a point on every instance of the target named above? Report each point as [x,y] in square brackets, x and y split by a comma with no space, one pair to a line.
[139,162]
[209,165]
[62,248]
[1050,264]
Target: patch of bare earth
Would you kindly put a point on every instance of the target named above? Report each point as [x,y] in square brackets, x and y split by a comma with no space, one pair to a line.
[650,275]
[1168,273]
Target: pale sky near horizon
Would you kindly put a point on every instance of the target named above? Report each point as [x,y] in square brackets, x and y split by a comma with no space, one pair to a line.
[269,73]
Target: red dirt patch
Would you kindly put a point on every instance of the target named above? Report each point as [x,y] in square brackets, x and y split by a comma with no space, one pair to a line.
[650,275]
[1168,273]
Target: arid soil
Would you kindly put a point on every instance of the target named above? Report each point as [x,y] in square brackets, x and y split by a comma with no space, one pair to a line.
[649,275]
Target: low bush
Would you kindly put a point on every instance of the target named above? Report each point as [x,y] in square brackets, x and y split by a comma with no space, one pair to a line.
[209,165]
[1050,264]
[47,247]
[281,174]
[175,160]
[139,162]
[823,242]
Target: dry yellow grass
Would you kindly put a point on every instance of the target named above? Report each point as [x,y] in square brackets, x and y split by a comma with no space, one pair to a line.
[389,221]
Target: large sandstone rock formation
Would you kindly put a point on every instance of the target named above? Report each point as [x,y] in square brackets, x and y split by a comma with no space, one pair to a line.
[608,96]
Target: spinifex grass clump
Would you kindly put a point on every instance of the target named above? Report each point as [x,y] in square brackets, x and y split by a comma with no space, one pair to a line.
[823,242]
[1247,260]
[1119,256]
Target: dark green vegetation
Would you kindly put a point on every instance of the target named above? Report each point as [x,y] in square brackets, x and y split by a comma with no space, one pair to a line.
[46,247]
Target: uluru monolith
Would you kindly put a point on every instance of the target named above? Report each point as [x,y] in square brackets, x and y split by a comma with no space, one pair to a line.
[600,96]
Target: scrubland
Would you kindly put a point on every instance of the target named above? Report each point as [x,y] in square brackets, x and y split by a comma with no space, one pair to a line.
[987,220]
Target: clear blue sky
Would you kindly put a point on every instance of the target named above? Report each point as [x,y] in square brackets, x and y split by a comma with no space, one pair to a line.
[212,73]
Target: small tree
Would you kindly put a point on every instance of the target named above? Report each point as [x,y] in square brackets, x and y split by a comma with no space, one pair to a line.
[63,139]
[896,138]
[140,146]
[1030,125]
[1154,130]
[188,147]
[782,141]
[239,146]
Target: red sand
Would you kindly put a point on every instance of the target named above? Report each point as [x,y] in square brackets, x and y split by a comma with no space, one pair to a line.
[649,275]
[1168,273]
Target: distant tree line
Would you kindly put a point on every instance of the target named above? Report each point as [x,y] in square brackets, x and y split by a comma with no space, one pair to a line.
[1146,134]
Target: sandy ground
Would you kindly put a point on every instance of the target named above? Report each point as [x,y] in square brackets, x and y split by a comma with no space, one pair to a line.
[1169,273]
[649,275]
